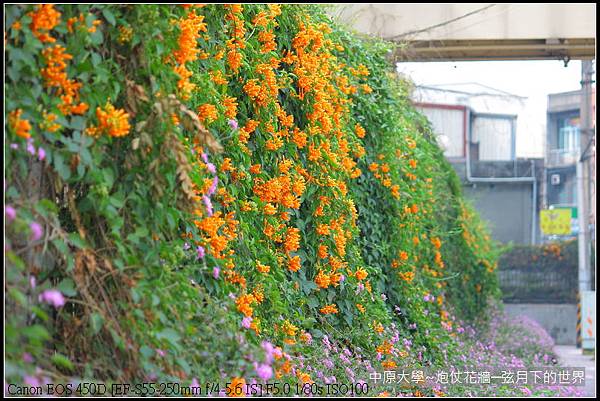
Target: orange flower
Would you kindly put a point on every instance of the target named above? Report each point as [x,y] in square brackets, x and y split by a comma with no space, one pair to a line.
[323,229]
[262,268]
[243,303]
[226,165]
[20,126]
[230,105]
[322,252]
[360,131]
[255,169]
[49,124]
[207,113]
[361,274]
[218,78]
[237,387]
[55,75]
[190,28]
[234,60]
[43,20]
[322,280]
[111,121]
[329,309]
[294,264]
[269,209]
[406,276]
[292,239]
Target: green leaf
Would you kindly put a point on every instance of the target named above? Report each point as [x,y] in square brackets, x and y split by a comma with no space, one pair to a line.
[62,361]
[96,322]
[109,16]
[97,37]
[76,240]
[61,168]
[67,287]
[18,296]
[168,334]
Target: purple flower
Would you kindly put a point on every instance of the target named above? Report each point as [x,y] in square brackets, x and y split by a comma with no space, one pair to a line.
[208,204]
[36,231]
[216,271]
[41,154]
[52,297]
[204,157]
[32,282]
[213,186]
[30,147]
[264,371]
[27,358]
[161,353]
[10,212]
[383,297]
[14,146]
[194,385]
[186,246]
[201,252]
[328,363]
[31,381]
[269,349]
[233,124]
[246,322]
[211,168]
[342,278]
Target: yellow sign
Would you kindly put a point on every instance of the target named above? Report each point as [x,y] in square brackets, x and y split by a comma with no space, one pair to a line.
[556,221]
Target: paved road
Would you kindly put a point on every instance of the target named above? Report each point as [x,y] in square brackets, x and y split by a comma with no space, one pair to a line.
[572,357]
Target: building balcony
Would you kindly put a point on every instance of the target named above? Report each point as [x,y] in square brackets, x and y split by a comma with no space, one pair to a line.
[561,157]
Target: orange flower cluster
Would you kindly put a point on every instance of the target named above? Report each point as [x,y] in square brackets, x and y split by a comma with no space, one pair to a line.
[284,190]
[111,121]
[329,309]
[43,19]
[262,268]
[294,264]
[238,33]
[207,113]
[190,28]
[82,23]
[292,239]
[20,126]
[361,274]
[49,124]
[406,276]
[55,76]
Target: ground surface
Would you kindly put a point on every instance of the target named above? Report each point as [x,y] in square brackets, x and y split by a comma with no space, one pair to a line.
[570,356]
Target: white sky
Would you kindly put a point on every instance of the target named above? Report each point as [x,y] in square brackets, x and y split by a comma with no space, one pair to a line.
[532,79]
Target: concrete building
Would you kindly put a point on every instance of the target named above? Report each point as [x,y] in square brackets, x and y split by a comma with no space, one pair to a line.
[562,151]
[478,128]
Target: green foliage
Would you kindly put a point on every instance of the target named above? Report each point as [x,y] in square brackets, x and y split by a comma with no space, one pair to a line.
[116,200]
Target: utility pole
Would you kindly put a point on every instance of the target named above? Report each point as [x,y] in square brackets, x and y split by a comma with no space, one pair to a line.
[583,185]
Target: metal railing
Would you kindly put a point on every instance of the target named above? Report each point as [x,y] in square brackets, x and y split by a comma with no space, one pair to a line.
[561,157]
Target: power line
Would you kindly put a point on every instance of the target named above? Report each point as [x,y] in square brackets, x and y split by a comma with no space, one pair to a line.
[441,23]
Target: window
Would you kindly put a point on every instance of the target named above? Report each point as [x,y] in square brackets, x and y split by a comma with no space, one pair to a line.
[568,134]
[495,136]
[448,122]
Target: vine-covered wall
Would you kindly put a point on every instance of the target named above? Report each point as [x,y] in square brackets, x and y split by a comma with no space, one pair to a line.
[190,185]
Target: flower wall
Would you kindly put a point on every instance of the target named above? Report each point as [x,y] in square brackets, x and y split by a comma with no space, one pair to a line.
[206,192]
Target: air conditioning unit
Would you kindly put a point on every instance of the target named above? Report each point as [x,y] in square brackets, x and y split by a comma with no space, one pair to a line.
[555,179]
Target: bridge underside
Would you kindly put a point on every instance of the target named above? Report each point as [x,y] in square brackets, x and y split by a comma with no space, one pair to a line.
[513,49]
